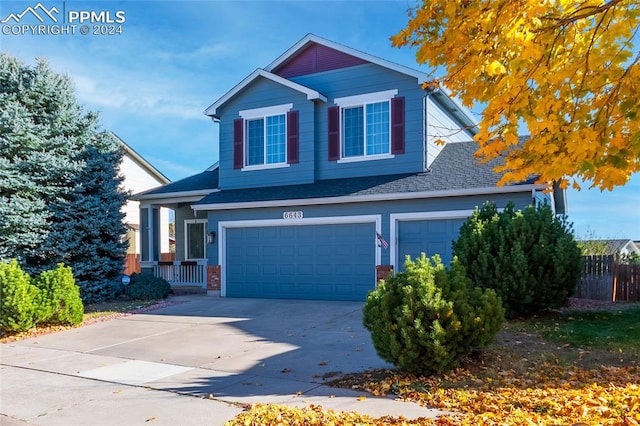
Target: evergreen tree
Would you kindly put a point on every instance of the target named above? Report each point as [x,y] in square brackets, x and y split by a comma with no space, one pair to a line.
[38,121]
[60,196]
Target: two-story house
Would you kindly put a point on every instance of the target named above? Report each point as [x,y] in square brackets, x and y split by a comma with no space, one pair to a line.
[329,175]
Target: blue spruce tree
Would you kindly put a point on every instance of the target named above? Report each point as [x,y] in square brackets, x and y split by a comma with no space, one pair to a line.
[60,193]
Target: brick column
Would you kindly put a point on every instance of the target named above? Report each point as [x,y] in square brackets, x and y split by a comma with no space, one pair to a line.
[213,278]
[382,272]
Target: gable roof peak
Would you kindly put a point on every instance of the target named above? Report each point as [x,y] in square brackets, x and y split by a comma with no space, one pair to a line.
[311,94]
[310,38]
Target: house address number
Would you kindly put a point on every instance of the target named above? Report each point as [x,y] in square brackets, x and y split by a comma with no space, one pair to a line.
[292,215]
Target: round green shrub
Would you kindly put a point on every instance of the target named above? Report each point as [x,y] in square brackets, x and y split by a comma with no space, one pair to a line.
[145,286]
[17,298]
[59,301]
[529,257]
[426,319]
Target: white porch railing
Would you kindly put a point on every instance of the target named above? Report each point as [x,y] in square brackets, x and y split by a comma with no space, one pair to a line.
[183,273]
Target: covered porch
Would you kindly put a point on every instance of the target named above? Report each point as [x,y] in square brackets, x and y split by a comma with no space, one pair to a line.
[190,267]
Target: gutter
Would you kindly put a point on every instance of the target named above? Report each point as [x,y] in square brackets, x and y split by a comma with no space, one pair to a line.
[167,195]
[367,198]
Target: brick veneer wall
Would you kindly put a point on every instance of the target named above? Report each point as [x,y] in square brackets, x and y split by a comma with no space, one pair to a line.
[383,271]
[213,277]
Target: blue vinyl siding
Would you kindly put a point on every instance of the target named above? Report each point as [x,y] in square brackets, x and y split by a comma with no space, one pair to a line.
[384,209]
[326,262]
[362,79]
[266,93]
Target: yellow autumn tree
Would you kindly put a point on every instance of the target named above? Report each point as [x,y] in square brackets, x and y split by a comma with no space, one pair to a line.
[566,69]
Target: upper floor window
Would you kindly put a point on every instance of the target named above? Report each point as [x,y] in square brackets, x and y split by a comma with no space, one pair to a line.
[368,126]
[266,140]
[266,137]
[366,130]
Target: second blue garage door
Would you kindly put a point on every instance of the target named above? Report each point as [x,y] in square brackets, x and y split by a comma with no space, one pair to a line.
[432,236]
[325,262]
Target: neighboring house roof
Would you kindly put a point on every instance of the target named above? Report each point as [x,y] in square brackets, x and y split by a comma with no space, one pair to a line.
[619,246]
[311,94]
[199,184]
[148,167]
[454,172]
[440,95]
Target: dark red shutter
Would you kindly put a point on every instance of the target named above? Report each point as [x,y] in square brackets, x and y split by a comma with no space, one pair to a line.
[334,133]
[292,137]
[238,142]
[397,125]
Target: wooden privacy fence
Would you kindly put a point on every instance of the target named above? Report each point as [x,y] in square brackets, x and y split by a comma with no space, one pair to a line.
[605,279]
[132,262]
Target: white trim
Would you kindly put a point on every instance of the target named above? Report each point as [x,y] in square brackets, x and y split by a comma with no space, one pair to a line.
[366,158]
[264,166]
[175,197]
[327,220]
[395,218]
[249,114]
[311,94]
[262,114]
[186,237]
[311,38]
[366,98]
[362,101]
[365,198]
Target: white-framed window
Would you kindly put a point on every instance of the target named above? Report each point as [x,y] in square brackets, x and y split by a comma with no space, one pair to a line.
[195,239]
[365,126]
[265,136]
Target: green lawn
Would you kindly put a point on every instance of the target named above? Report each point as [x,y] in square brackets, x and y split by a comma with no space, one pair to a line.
[610,330]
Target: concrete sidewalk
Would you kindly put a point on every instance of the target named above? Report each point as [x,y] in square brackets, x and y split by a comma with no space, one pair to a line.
[193,363]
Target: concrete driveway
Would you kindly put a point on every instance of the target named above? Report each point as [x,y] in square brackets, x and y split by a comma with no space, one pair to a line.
[193,363]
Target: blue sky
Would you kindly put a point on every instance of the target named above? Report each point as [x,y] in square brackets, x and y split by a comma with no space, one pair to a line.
[151,83]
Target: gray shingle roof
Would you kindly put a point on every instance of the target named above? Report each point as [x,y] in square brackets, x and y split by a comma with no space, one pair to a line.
[207,180]
[454,169]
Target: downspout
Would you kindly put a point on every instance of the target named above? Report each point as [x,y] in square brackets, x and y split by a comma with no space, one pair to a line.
[425,135]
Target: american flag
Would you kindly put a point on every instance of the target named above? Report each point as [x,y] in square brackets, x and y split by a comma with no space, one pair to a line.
[381,241]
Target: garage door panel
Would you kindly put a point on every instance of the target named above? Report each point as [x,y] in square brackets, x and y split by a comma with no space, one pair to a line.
[333,262]
[429,236]
[324,249]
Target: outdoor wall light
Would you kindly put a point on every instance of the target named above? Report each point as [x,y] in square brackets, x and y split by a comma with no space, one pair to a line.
[211,237]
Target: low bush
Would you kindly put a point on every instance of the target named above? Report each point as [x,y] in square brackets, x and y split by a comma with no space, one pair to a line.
[18,298]
[426,319]
[530,257]
[59,298]
[145,286]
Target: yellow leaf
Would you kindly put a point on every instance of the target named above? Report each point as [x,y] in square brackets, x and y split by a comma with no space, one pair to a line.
[496,68]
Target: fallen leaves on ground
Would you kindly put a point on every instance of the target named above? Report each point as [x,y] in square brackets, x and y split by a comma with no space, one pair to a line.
[549,394]
[314,415]
[522,380]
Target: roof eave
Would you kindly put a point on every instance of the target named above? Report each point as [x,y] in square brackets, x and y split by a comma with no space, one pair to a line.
[455,108]
[171,195]
[312,38]
[161,178]
[312,95]
[368,198]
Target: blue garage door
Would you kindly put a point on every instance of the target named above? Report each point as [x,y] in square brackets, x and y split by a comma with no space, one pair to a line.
[427,236]
[326,262]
